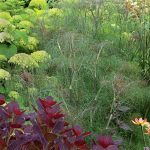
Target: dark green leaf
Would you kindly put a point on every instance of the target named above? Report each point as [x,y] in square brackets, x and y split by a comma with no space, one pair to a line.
[8,51]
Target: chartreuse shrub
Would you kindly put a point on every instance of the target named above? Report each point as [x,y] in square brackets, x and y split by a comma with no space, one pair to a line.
[45,128]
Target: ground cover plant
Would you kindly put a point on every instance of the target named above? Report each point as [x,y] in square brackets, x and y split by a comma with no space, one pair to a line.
[91,55]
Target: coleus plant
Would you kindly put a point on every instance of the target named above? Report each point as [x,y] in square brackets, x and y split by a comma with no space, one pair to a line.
[47,129]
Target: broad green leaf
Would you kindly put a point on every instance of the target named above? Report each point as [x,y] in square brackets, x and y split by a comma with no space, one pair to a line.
[8,51]
[20,34]
[23,26]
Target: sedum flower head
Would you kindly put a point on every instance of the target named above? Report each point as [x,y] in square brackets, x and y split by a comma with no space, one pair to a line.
[4,24]
[5,15]
[40,56]
[16,18]
[3,58]
[40,4]
[26,23]
[23,60]
[4,36]
[4,75]
[13,94]
[140,122]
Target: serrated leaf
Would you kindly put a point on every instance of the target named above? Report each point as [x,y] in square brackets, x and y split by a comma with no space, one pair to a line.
[8,51]
[123,108]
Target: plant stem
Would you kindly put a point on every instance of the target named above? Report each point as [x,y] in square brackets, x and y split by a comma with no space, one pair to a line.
[29,97]
[143,136]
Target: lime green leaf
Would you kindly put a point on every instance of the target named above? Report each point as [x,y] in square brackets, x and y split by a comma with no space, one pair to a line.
[20,34]
[23,26]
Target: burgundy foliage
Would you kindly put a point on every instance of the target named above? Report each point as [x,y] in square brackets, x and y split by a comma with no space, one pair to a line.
[47,129]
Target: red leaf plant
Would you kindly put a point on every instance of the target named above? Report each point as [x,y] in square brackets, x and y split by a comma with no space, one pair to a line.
[47,129]
[105,143]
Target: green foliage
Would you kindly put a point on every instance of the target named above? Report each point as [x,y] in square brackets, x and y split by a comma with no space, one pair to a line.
[12,6]
[32,46]
[16,19]
[20,35]
[5,15]
[25,61]
[3,58]
[15,95]
[26,23]
[39,4]
[8,50]
[4,75]
[40,56]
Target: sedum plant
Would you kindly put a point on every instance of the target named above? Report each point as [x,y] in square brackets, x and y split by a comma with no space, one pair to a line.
[4,75]
[40,56]
[23,60]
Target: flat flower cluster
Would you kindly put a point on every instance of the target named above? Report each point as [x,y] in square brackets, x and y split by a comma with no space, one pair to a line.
[24,61]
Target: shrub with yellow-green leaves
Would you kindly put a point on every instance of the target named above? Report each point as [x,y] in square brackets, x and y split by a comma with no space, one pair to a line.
[16,18]
[26,23]
[24,61]
[5,15]
[40,4]
[40,56]
[4,36]
[4,75]
[32,46]
[14,94]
